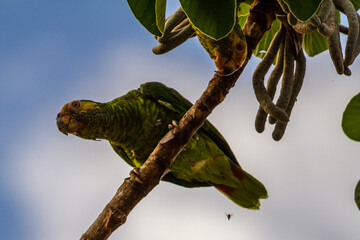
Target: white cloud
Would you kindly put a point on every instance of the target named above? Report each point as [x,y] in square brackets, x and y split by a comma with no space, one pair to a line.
[310,174]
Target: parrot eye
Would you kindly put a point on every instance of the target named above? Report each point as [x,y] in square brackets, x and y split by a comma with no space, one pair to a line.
[239,46]
[75,104]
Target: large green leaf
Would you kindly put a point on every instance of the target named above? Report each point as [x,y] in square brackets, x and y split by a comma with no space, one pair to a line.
[356,4]
[264,43]
[351,119]
[357,195]
[150,13]
[214,18]
[303,9]
[314,43]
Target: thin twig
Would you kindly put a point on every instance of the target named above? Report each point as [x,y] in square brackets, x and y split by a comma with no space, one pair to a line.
[343,29]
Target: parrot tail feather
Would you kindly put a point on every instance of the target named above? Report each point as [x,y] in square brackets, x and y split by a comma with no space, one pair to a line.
[248,193]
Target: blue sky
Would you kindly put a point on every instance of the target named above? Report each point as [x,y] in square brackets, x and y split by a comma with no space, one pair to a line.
[53,186]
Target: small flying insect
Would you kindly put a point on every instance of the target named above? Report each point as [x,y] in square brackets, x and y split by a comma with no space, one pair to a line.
[228,215]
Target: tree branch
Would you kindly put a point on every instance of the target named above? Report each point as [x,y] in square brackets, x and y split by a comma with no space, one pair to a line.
[148,176]
[142,181]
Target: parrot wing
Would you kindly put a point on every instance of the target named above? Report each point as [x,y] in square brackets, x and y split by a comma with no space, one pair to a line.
[173,100]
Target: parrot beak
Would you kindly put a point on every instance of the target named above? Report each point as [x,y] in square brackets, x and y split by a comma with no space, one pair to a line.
[62,122]
[228,64]
[224,65]
[66,123]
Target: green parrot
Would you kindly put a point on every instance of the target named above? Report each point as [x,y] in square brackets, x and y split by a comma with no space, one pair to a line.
[134,124]
[228,53]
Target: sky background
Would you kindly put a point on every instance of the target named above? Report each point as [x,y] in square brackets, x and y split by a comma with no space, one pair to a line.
[53,186]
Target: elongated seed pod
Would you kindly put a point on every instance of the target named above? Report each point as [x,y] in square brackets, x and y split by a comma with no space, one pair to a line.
[298,80]
[171,22]
[186,31]
[272,85]
[277,71]
[347,71]
[357,48]
[174,41]
[288,74]
[178,31]
[273,80]
[328,27]
[258,79]
[182,25]
[335,50]
[351,15]
[324,9]
[326,30]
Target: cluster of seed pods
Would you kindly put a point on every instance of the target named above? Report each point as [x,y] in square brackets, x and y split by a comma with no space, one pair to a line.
[287,59]
[326,23]
[287,53]
[285,49]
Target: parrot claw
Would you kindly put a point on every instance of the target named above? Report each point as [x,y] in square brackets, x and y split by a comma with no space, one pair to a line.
[173,125]
[134,175]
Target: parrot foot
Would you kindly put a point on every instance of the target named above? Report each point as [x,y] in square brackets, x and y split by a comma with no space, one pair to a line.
[134,175]
[175,124]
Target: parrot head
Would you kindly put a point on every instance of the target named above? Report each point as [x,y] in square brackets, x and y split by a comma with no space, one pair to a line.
[228,53]
[77,118]
[231,52]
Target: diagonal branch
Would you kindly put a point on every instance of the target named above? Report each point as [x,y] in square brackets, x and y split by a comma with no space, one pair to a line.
[148,176]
